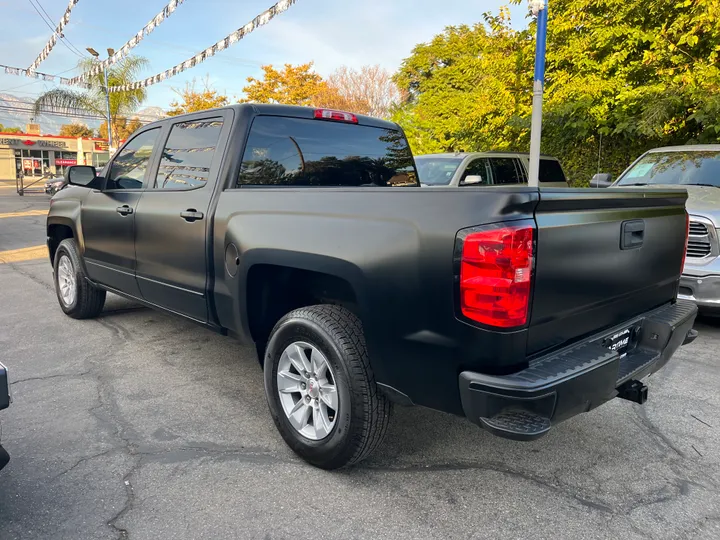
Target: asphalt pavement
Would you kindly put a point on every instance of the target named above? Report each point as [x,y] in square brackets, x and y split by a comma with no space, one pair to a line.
[137,425]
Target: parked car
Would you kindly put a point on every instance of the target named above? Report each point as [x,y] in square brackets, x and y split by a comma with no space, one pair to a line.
[4,404]
[486,169]
[695,168]
[306,233]
[55,184]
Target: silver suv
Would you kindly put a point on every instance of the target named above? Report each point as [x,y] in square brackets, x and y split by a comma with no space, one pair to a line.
[697,169]
[486,169]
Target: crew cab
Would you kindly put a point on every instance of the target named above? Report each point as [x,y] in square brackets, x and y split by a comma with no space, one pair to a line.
[305,232]
[486,169]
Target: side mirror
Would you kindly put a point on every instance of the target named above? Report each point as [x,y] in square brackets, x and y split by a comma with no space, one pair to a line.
[601,180]
[472,180]
[81,175]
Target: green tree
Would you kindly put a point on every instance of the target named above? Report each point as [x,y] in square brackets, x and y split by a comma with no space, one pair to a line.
[75,130]
[192,100]
[622,76]
[93,100]
[4,129]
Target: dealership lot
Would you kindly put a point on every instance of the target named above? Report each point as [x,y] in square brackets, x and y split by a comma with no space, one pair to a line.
[137,425]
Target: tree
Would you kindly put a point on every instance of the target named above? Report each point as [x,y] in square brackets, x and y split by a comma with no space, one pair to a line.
[4,129]
[122,129]
[93,100]
[368,90]
[294,85]
[75,130]
[192,100]
[622,76]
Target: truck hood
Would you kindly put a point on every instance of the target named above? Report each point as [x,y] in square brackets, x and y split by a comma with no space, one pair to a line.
[702,201]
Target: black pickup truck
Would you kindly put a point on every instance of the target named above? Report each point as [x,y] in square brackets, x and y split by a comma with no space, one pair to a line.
[305,232]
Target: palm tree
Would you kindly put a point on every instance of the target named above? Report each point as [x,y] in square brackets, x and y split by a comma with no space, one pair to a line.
[93,100]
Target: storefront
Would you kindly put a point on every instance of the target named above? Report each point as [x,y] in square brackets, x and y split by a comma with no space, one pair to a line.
[35,156]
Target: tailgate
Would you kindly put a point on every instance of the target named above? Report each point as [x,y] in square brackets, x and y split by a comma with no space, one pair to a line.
[603,256]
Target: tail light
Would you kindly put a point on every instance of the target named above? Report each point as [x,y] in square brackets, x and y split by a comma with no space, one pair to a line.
[496,268]
[338,116]
[687,241]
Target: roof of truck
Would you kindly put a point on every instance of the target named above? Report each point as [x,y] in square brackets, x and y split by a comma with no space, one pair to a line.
[688,148]
[480,154]
[286,110]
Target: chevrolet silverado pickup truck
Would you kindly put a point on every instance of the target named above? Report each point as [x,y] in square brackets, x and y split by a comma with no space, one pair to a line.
[306,232]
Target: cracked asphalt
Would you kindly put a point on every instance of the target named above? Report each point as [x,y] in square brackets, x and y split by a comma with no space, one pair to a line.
[140,426]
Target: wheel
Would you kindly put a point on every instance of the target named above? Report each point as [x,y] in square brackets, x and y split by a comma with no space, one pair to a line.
[320,388]
[77,296]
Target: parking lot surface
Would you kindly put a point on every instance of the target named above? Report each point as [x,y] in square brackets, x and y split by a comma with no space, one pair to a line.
[137,425]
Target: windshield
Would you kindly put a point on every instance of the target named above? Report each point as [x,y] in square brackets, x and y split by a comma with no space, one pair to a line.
[686,168]
[436,171]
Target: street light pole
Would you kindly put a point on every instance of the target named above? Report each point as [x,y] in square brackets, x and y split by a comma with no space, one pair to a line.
[540,10]
[107,93]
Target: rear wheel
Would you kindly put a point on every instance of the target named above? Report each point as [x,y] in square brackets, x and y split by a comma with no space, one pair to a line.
[320,388]
[78,298]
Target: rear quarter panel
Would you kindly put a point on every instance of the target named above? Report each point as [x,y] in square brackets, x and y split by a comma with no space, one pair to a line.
[394,246]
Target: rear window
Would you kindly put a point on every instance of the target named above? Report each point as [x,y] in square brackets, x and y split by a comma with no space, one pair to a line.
[298,152]
[550,171]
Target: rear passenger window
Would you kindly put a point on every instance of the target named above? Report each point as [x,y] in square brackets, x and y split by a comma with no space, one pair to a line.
[301,152]
[550,171]
[188,154]
[504,171]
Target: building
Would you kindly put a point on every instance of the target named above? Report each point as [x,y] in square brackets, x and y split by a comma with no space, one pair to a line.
[37,155]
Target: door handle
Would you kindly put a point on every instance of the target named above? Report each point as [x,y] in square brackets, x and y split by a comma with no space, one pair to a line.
[191,215]
[124,210]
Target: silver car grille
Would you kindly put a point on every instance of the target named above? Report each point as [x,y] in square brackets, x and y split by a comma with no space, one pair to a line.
[700,241]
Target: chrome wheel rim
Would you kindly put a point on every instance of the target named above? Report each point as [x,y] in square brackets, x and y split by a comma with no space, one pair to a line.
[66,280]
[308,390]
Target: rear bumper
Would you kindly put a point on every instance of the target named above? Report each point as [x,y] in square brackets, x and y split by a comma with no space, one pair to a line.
[525,405]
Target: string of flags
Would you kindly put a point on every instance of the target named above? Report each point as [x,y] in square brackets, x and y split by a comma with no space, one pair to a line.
[42,76]
[132,42]
[53,39]
[221,45]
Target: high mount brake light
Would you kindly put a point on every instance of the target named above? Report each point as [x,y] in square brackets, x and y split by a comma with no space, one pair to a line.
[495,275]
[337,116]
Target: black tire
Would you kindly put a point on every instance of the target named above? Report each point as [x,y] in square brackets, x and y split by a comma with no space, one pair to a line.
[89,300]
[364,412]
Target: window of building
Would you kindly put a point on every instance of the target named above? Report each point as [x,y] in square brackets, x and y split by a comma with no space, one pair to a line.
[188,154]
[32,162]
[298,152]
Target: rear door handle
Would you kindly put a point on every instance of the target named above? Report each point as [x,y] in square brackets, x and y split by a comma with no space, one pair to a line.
[124,210]
[632,234]
[191,215]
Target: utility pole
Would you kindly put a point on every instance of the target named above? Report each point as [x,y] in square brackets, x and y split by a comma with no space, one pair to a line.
[110,52]
[540,10]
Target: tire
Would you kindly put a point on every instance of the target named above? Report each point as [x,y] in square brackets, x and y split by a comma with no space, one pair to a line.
[87,301]
[362,413]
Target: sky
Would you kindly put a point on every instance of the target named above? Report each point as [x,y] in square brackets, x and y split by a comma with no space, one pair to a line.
[329,33]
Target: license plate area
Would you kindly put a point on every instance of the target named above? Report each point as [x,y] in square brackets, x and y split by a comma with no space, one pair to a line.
[622,341]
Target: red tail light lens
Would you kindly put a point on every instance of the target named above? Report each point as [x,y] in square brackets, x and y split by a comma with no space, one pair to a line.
[687,240]
[495,276]
[338,116]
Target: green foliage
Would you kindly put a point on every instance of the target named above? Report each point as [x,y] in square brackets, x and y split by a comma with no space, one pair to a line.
[4,129]
[637,73]
[75,130]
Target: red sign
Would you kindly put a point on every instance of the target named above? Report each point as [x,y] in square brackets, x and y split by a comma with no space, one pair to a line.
[101,146]
[31,164]
[65,162]
[28,142]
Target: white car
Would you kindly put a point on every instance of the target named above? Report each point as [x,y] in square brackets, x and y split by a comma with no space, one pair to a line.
[486,169]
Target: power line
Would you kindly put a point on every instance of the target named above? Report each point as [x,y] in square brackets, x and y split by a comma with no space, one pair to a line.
[49,25]
[61,36]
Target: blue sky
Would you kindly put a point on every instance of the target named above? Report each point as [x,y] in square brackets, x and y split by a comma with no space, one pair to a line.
[331,33]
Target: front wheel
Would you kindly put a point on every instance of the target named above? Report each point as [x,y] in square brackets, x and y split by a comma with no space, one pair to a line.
[78,298]
[320,387]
